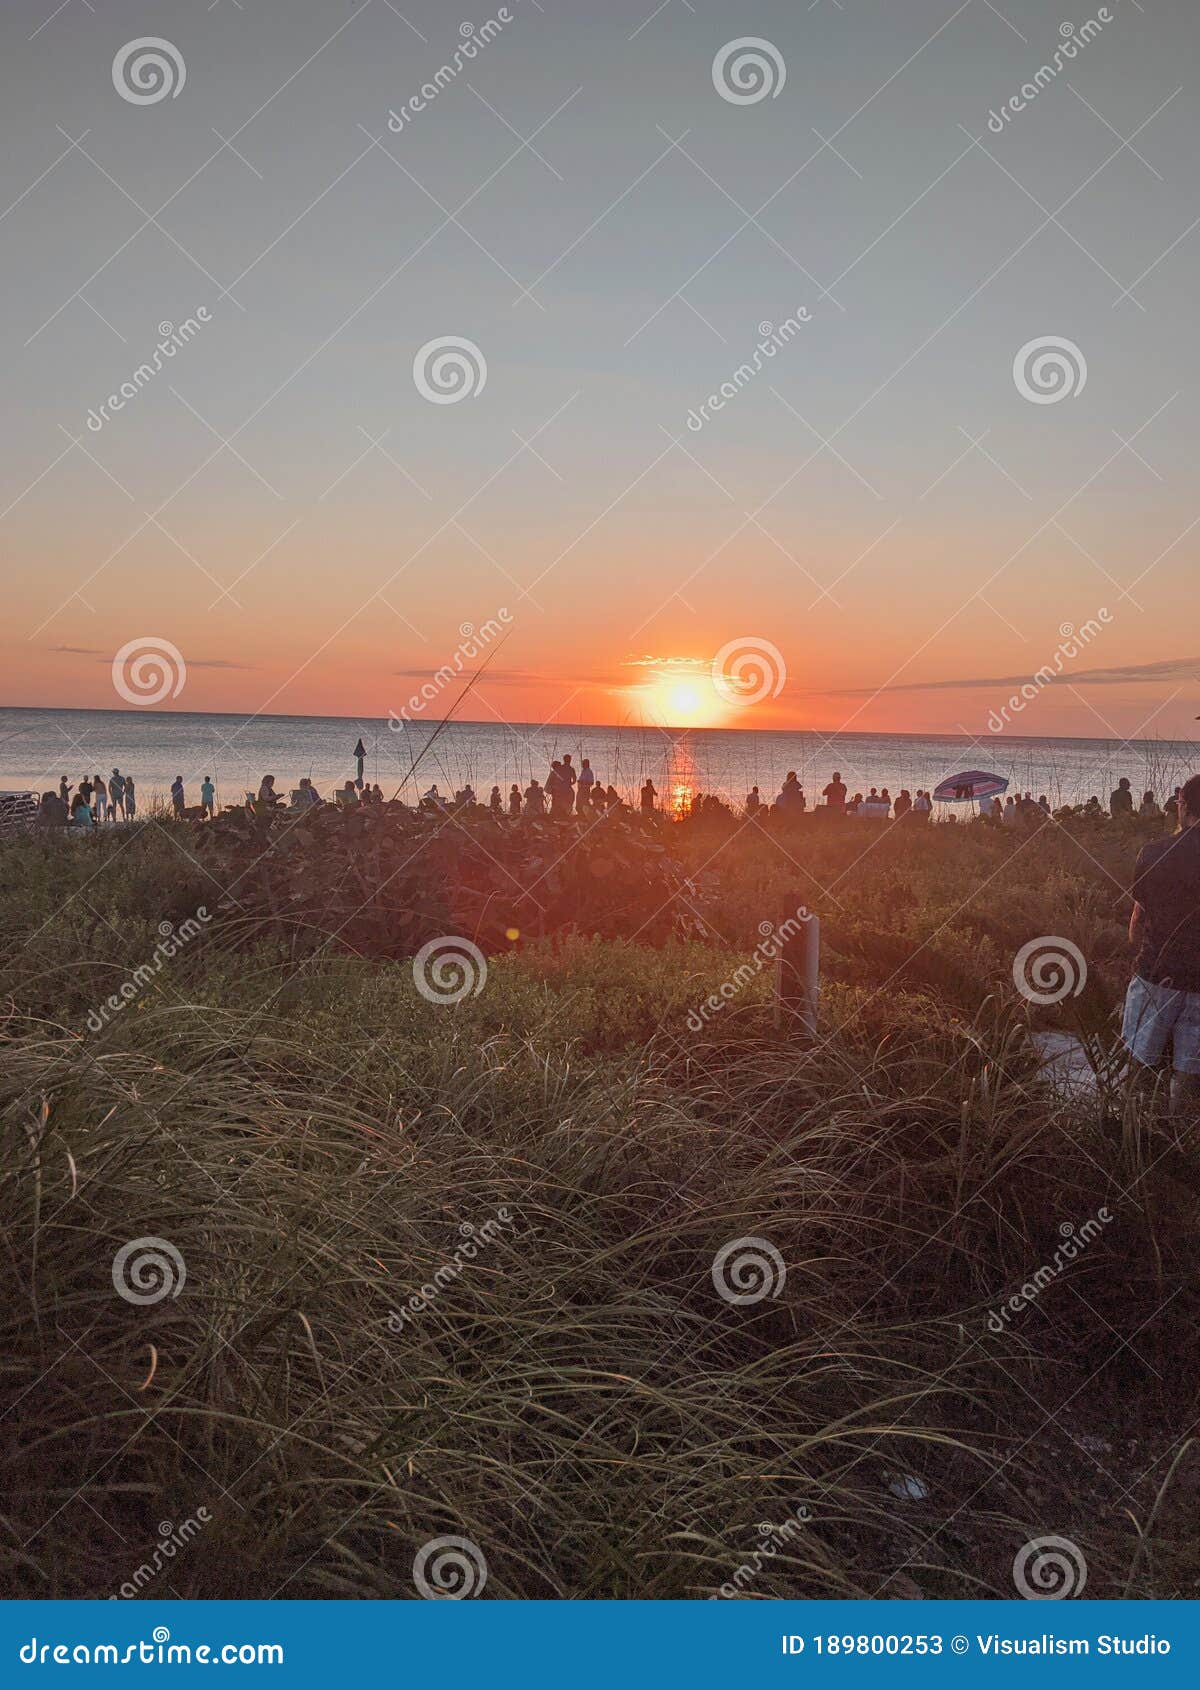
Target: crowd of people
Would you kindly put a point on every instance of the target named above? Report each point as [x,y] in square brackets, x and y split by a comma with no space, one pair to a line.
[95,801]
[568,791]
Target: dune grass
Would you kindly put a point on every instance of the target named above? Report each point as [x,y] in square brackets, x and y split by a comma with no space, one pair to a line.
[319,1143]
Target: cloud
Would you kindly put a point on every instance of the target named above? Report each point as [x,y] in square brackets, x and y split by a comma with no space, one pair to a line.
[1170,669]
[505,677]
[671,665]
[192,662]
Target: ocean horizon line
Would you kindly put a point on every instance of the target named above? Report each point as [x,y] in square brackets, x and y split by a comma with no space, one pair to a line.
[494,724]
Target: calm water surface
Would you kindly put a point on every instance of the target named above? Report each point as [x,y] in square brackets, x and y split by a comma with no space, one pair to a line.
[38,746]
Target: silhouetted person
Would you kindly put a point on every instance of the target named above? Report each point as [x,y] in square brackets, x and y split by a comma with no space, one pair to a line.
[495,802]
[835,794]
[587,780]
[177,795]
[649,794]
[1121,802]
[1162,1005]
[64,791]
[753,802]
[535,799]
[514,800]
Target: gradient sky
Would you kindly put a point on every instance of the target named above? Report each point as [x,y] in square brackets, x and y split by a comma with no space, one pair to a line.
[881,503]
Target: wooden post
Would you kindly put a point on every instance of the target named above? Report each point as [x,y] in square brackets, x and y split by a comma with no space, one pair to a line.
[799,972]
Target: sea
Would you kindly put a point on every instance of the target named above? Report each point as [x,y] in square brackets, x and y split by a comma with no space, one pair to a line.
[38,746]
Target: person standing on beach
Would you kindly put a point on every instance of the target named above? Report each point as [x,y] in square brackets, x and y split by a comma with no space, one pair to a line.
[535,799]
[514,800]
[177,799]
[130,798]
[64,790]
[100,792]
[649,794]
[570,777]
[587,780]
[116,795]
[835,794]
[208,796]
[1162,1004]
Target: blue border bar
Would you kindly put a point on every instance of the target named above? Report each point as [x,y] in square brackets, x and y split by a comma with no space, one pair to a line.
[610,1646]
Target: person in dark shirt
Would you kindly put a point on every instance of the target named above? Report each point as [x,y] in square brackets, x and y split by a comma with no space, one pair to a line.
[1162,1004]
[835,794]
[1121,802]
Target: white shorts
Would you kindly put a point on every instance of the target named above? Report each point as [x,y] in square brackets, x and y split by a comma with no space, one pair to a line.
[1158,1015]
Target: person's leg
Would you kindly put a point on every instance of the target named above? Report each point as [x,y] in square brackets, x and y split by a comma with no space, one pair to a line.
[1185,1096]
[1185,1082]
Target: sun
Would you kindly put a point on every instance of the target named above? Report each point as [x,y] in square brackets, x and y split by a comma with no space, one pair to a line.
[683,701]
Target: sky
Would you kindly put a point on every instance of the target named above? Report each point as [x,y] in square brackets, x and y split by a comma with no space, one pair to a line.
[949,332]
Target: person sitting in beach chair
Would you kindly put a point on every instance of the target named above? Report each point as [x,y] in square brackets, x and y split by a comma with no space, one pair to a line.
[52,812]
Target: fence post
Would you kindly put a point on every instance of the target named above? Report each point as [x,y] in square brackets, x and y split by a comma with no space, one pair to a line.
[799,972]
